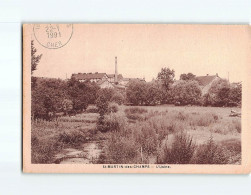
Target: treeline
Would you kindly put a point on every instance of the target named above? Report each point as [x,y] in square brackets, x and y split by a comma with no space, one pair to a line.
[52,96]
[186,91]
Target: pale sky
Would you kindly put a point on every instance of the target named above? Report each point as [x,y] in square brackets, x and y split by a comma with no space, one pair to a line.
[143,49]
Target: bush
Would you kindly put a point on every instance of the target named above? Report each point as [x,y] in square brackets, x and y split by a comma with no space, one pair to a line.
[73,138]
[112,122]
[113,107]
[181,151]
[135,113]
[102,104]
[210,153]
[121,150]
[147,138]
[118,98]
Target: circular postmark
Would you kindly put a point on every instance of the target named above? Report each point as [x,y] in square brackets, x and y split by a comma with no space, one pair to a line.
[53,36]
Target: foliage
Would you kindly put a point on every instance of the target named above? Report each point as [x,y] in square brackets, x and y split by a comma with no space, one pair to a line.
[210,153]
[50,96]
[35,59]
[118,98]
[187,77]
[113,107]
[81,93]
[166,77]
[113,122]
[186,92]
[67,106]
[222,93]
[181,151]
[102,104]
[136,92]
[153,93]
[47,97]
[135,113]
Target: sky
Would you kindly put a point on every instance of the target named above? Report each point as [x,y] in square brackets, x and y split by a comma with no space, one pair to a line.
[143,49]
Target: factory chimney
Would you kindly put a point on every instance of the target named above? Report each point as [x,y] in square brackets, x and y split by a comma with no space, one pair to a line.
[116,71]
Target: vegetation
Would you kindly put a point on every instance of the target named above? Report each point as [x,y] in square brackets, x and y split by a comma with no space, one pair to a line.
[146,133]
[186,92]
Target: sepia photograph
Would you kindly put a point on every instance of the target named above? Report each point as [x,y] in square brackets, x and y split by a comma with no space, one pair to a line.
[134,96]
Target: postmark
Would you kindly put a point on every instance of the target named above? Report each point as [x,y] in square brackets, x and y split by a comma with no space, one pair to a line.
[53,36]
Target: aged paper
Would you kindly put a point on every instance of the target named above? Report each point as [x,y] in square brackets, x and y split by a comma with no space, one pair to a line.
[136,98]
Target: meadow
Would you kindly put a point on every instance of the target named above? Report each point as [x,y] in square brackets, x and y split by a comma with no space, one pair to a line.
[163,134]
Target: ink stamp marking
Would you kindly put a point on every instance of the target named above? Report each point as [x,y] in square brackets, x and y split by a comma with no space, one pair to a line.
[53,36]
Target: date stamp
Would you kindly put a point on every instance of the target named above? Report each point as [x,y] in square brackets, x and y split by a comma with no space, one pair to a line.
[53,36]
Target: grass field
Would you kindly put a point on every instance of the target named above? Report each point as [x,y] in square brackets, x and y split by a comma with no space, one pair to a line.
[145,134]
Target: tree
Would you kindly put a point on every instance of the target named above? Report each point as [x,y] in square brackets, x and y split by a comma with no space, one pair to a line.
[118,98]
[235,95]
[218,94]
[47,98]
[136,92]
[81,93]
[166,76]
[153,94]
[187,77]
[35,59]
[186,92]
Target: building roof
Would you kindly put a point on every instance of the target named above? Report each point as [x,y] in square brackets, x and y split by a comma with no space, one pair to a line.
[133,79]
[205,80]
[87,76]
[113,76]
[101,82]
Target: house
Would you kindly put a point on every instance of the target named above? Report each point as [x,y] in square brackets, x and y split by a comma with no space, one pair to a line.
[92,77]
[205,82]
[105,84]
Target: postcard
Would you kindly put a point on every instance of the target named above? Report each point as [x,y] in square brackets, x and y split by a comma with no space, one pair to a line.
[136,98]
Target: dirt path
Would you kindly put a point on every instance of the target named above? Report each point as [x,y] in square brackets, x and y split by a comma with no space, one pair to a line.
[87,153]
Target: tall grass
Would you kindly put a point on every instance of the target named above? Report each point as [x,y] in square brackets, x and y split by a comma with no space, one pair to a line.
[181,151]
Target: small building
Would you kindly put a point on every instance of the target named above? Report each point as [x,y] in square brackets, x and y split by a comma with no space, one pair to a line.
[105,84]
[92,77]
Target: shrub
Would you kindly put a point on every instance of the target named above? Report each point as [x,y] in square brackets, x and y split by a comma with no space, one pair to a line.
[113,107]
[106,93]
[71,138]
[112,122]
[42,150]
[210,153]
[135,113]
[181,151]
[121,150]
[102,105]
[147,138]
[118,98]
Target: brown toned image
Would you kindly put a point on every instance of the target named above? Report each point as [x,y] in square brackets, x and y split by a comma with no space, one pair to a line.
[136,98]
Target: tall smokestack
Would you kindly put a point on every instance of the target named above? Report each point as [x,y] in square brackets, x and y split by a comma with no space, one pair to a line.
[116,71]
